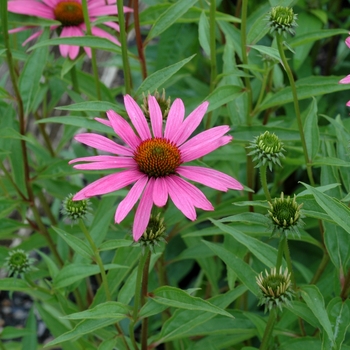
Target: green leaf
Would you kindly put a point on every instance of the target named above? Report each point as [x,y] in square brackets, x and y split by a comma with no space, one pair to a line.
[333,207]
[339,315]
[203,30]
[14,284]
[314,300]
[311,131]
[265,253]
[86,40]
[113,244]
[29,79]
[331,161]
[12,332]
[244,272]
[84,327]
[307,87]
[222,95]
[93,106]
[170,16]
[270,51]
[309,343]
[75,272]
[30,341]
[75,243]
[301,310]
[174,297]
[153,81]
[81,122]
[337,242]
[109,309]
[311,37]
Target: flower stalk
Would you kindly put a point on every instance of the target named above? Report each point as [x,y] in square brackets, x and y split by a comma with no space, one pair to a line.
[268,330]
[279,39]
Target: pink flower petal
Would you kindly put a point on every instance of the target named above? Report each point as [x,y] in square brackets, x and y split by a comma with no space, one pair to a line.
[209,177]
[103,34]
[204,143]
[50,3]
[129,201]
[109,183]
[97,159]
[156,116]
[112,25]
[190,124]
[104,121]
[345,80]
[122,128]
[175,118]
[32,37]
[143,211]
[19,29]
[181,199]
[160,192]
[31,8]
[103,143]
[347,42]
[97,3]
[348,103]
[137,118]
[198,199]
[103,10]
[122,162]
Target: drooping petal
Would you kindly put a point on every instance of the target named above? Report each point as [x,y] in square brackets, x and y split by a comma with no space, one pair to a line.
[198,198]
[143,211]
[175,117]
[50,3]
[103,34]
[156,116]
[181,199]
[122,128]
[129,201]
[345,80]
[98,3]
[137,118]
[160,192]
[347,42]
[97,159]
[348,103]
[190,124]
[31,8]
[112,25]
[122,162]
[109,183]
[204,143]
[19,29]
[70,50]
[32,37]
[209,177]
[103,10]
[104,121]
[103,143]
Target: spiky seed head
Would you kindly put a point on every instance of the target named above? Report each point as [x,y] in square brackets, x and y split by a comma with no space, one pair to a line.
[164,104]
[268,149]
[275,288]
[282,20]
[75,210]
[285,214]
[18,262]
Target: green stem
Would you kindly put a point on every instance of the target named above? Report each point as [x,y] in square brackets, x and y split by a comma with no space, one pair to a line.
[139,44]
[288,70]
[289,264]
[144,327]
[281,245]
[212,43]
[321,268]
[245,59]
[137,296]
[97,258]
[262,89]
[268,330]
[93,52]
[263,180]
[124,47]
[46,207]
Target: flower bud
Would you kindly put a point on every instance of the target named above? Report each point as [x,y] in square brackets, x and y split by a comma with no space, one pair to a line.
[164,104]
[285,214]
[282,19]
[75,210]
[267,149]
[154,233]
[18,262]
[275,288]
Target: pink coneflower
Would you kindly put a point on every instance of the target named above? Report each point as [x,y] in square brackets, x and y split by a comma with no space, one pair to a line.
[154,162]
[70,14]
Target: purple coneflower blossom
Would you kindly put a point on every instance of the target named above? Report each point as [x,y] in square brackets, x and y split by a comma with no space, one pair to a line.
[154,159]
[70,14]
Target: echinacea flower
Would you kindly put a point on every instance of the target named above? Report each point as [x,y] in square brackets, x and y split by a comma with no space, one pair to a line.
[154,161]
[70,14]
[346,80]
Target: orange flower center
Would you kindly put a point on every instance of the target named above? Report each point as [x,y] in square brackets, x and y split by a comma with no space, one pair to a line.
[157,157]
[69,13]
